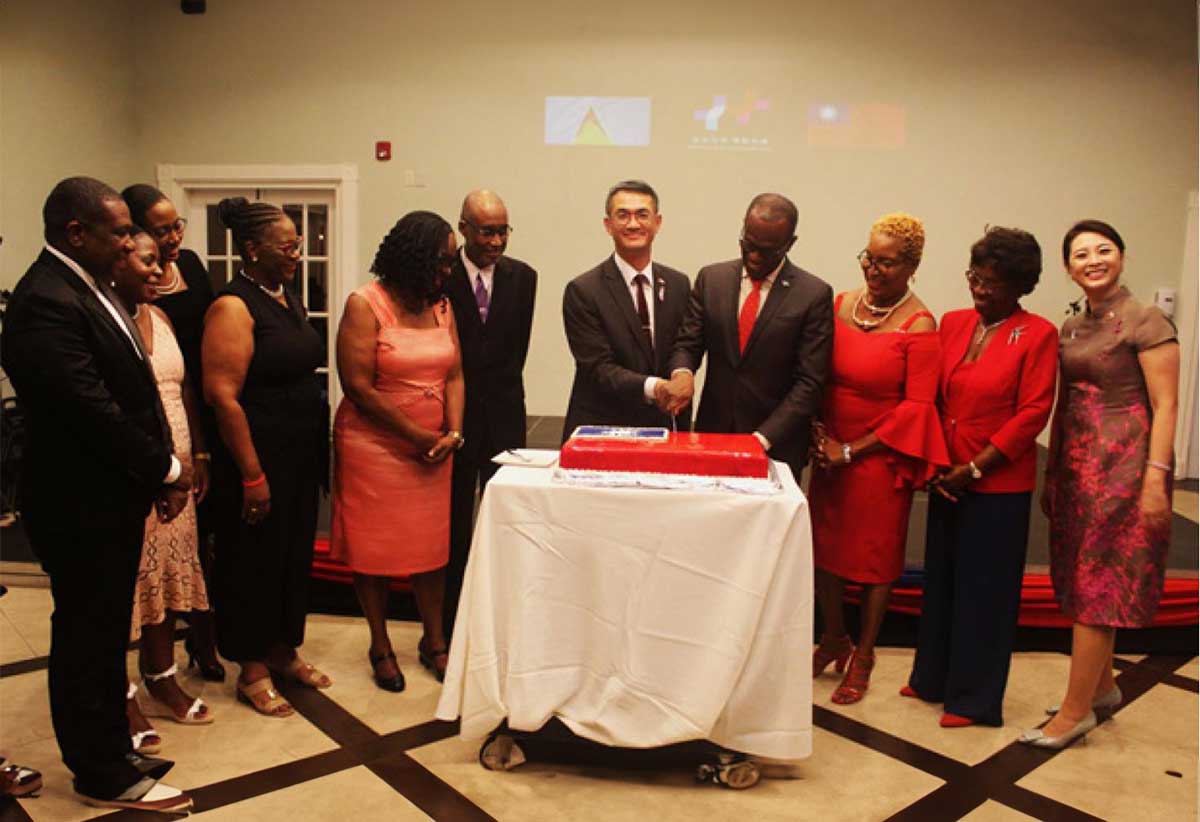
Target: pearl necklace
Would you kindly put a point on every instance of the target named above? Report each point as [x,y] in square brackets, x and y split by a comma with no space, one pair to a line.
[167,288]
[881,313]
[984,330]
[275,293]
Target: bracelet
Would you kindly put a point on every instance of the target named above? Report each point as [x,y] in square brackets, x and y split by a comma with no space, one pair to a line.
[975,472]
[255,483]
[202,455]
[1161,466]
[847,453]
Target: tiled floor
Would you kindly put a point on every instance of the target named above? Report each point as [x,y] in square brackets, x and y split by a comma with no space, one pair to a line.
[358,753]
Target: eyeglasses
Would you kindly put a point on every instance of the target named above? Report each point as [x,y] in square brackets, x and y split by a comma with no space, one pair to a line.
[977,283]
[767,252]
[880,264]
[623,216]
[292,249]
[163,231]
[490,230]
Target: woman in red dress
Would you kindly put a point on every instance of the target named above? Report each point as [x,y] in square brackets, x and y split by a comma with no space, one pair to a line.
[879,438]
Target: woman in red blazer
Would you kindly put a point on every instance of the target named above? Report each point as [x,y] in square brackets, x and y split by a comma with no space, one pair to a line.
[999,364]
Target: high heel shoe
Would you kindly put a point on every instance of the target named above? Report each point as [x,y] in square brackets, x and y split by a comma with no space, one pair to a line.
[837,651]
[1105,702]
[1038,739]
[434,660]
[214,672]
[857,680]
[396,683]
[197,713]
[147,740]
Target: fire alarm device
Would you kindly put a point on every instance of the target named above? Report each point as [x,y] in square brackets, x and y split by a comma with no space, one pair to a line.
[383,150]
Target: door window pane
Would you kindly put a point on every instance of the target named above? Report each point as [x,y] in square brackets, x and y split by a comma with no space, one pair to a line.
[318,220]
[216,233]
[321,324]
[218,274]
[318,292]
[296,212]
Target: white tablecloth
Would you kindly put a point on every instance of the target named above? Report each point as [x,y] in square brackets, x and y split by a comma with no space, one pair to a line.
[638,617]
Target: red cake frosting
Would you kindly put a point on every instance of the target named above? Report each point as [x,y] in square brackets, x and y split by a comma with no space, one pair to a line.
[708,455]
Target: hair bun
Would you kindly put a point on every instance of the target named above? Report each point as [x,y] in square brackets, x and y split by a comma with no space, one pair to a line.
[229,211]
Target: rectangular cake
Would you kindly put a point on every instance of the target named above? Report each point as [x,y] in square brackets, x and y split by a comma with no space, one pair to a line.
[706,455]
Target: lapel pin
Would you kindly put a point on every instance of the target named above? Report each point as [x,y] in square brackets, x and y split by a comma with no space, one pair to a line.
[1016,334]
[662,290]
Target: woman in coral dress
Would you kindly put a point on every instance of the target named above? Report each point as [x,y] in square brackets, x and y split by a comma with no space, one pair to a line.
[879,438]
[1109,472]
[395,432]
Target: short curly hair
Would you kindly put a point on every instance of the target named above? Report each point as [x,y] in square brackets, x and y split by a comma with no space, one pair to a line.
[1014,255]
[906,228]
[408,259]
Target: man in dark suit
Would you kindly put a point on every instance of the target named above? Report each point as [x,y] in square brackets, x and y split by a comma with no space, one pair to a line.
[493,299]
[621,318]
[97,458]
[767,328]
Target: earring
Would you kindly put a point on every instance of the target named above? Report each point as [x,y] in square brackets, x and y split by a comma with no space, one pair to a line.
[254,259]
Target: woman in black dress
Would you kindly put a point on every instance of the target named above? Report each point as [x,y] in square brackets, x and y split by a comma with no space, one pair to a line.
[260,355]
[184,293]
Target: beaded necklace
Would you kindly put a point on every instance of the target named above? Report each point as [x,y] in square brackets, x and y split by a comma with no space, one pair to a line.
[881,313]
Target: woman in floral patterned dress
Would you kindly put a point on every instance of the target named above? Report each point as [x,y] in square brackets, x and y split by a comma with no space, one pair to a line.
[1108,483]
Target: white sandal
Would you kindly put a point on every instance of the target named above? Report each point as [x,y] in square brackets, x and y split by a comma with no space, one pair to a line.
[197,714]
[148,741]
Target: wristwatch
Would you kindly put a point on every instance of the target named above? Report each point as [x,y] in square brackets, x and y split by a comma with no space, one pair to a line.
[846,453]
[975,472]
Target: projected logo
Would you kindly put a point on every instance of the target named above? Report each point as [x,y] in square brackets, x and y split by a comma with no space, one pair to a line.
[597,121]
[740,126]
[861,125]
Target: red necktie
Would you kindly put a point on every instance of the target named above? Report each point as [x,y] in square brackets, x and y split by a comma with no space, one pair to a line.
[748,314]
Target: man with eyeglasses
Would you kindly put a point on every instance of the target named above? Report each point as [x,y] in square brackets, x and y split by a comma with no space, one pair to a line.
[621,318]
[493,297]
[97,457]
[767,328]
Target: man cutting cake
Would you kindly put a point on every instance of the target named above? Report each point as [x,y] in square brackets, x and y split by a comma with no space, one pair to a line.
[767,328]
[621,318]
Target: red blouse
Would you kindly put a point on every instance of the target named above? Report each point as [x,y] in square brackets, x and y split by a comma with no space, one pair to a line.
[1004,398]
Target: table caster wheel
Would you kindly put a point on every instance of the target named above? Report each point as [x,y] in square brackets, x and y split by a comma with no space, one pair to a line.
[500,752]
[730,770]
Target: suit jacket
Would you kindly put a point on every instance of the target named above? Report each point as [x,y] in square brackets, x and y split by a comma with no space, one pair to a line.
[493,356]
[98,446]
[775,387]
[612,355]
[1005,398]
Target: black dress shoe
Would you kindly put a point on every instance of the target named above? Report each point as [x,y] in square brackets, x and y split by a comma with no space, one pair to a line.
[213,673]
[151,766]
[396,683]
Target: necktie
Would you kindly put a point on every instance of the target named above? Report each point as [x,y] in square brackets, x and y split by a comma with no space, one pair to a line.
[748,314]
[481,298]
[642,309]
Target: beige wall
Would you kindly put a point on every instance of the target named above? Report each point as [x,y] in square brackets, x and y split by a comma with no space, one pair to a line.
[67,107]
[1019,113]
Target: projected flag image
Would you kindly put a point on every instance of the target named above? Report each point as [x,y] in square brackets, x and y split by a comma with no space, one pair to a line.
[597,121]
[858,125]
[733,123]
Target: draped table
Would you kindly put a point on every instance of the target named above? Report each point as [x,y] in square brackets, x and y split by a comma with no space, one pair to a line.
[638,617]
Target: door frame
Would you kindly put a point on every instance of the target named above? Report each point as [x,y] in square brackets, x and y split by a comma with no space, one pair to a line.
[342,180]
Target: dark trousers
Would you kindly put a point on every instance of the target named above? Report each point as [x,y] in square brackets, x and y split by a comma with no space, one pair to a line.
[974,565]
[92,579]
[462,525]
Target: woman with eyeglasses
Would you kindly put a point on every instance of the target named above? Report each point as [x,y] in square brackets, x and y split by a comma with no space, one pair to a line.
[395,433]
[184,294]
[878,439]
[1108,474]
[997,386]
[260,358]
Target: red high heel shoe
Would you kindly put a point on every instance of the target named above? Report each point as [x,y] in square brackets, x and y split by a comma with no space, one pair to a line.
[858,678]
[837,651]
